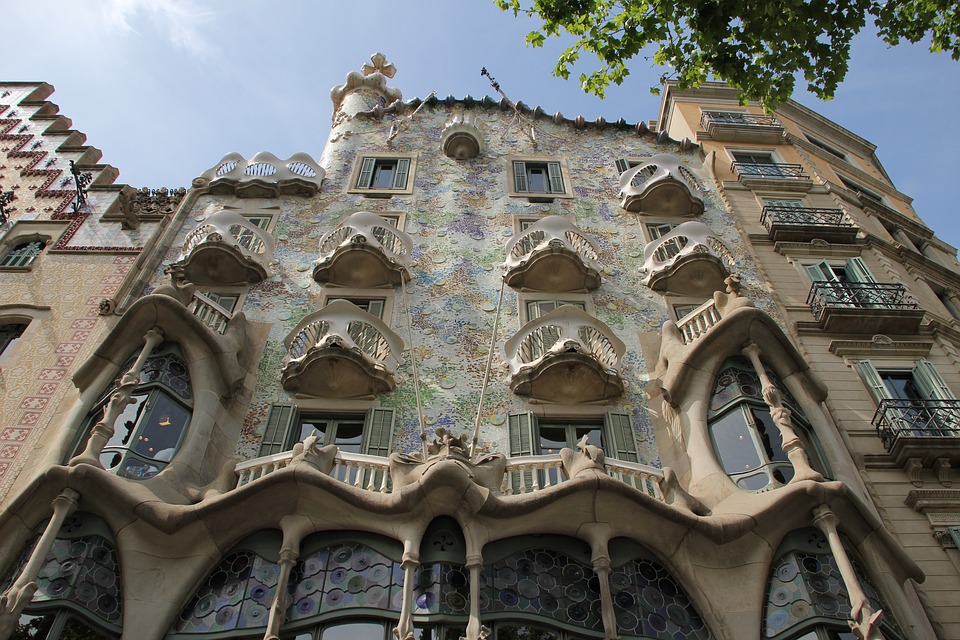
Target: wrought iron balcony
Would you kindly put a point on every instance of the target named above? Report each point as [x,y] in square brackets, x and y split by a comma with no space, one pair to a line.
[864,307]
[264,176]
[660,186]
[565,356]
[227,249]
[365,251]
[919,428]
[689,260]
[759,175]
[802,224]
[552,255]
[734,126]
[341,351]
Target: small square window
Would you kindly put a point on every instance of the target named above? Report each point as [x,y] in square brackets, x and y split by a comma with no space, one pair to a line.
[383,175]
[539,178]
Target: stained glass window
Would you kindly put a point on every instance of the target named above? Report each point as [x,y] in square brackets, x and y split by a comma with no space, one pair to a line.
[650,603]
[236,595]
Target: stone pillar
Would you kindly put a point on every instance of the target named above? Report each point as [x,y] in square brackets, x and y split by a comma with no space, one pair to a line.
[18,596]
[475,630]
[404,630]
[865,622]
[105,428]
[792,445]
[278,610]
[601,567]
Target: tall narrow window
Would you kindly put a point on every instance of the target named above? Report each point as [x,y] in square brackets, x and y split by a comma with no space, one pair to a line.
[22,255]
[10,334]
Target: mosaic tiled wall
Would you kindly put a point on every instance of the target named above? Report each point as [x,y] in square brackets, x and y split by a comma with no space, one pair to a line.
[460,218]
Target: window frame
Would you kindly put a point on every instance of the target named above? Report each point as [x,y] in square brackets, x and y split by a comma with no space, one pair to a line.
[284,424]
[548,162]
[375,159]
[10,340]
[524,300]
[617,436]
[22,243]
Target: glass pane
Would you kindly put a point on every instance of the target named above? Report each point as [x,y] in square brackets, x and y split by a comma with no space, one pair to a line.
[593,436]
[355,631]
[734,444]
[32,627]
[536,179]
[306,428]
[552,439]
[159,432]
[127,421]
[524,632]
[901,385]
[383,175]
[77,630]
[348,436]
[769,435]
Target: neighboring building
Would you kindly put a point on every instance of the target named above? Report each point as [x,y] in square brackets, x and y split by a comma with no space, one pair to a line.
[484,372]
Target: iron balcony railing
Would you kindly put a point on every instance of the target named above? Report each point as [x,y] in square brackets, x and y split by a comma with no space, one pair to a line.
[859,295]
[768,170]
[738,119]
[774,216]
[916,418]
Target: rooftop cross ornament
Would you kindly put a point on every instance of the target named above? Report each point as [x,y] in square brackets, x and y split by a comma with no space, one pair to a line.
[380,65]
[6,197]
[82,181]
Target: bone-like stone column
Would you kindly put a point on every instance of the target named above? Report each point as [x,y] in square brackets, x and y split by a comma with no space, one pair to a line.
[294,529]
[105,428]
[792,445]
[18,596]
[865,622]
[409,564]
[601,567]
[475,630]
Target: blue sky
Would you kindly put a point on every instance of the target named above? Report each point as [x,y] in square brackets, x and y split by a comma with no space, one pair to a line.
[165,88]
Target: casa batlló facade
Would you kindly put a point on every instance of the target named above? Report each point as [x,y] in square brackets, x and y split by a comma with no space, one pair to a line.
[478,371]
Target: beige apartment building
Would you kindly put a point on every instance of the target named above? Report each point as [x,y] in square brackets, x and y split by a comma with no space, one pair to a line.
[478,370]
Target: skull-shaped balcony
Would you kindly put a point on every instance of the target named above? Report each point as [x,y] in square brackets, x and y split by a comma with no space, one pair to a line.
[688,260]
[264,176]
[552,255]
[566,356]
[227,249]
[660,186]
[365,251]
[341,351]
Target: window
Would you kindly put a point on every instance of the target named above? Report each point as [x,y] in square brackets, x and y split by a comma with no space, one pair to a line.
[370,433]
[911,401]
[836,153]
[539,308]
[613,432]
[681,311]
[539,178]
[865,193]
[783,203]
[373,306]
[848,285]
[10,334]
[245,237]
[548,336]
[383,175]
[853,270]
[151,428]
[23,254]
[745,438]
[672,247]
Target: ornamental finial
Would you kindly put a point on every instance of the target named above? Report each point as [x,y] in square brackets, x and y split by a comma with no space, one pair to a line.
[380,65]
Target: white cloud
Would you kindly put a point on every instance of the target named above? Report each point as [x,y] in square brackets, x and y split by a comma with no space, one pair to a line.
[183,22]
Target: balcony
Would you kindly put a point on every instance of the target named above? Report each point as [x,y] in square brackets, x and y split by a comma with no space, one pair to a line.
[803,224]
[687,261]
[864,307]
[226,249]
[263,176]
[733,126]
[772,175]
[923,429]
[566,356]
[532,473]
[461,138]
[211,314]
[660,186]
[341,351]
[365,251]
[696,323]
[552,255]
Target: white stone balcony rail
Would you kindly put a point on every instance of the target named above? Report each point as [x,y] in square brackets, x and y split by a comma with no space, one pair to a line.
[210,313]
[696,323]
[565,355]
[552,255]
[529,474]
[364,251]
[660,186]
[341,351]
[371,473]
[264,176]
[227,248]
[675,251]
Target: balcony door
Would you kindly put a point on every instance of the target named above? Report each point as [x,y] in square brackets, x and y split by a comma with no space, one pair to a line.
[847,284]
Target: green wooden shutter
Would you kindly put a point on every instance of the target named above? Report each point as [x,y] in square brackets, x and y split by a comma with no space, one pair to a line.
[524,441]
[556,177]
[375,308]
[928,380]
[366,173]
[403,170]
[281,421]
[618,430]
[378,432]
[857,271]
[519,176]
[622,165]
[871,377]
[820,272]
[954,535]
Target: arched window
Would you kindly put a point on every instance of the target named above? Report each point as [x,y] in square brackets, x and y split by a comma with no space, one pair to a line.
[78,588]
[745,437]
[806,596]
[10,333]
[22,255]
[149,431]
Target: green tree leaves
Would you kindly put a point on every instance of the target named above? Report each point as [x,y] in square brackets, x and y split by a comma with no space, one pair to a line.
[757,46]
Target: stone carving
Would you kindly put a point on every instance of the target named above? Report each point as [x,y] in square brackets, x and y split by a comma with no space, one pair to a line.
[179,288]
[320,458]
[156,202]
[590,458]
[486,470]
